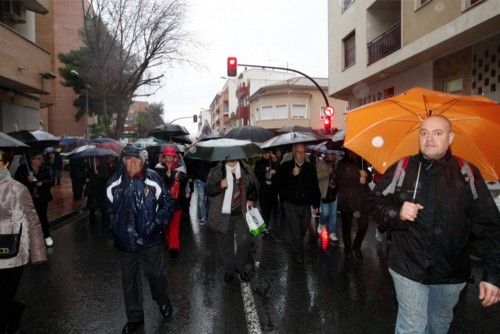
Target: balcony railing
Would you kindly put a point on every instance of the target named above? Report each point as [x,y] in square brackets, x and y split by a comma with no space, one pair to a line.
[385,44]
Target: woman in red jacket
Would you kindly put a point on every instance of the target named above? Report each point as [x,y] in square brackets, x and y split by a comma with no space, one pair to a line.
[175,180]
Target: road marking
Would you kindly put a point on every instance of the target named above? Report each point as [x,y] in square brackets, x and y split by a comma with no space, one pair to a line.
[253,323]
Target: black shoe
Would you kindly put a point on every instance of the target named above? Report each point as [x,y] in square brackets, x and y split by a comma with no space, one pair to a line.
[245,277]
[166,310]
[348,256]
[131,327]
[228,277]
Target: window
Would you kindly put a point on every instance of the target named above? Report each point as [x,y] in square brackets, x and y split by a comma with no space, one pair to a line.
[281,111]
[349,44]
[299,111]
[453,86]
[346,4]
[466,4]
[266,113]
[420,3]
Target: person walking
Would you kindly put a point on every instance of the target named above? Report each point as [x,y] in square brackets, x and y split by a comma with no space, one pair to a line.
[298,191]
[175,181]
[432,227]
[17,216]
[198,171]
[38,178]
[265,171]
[352,196]
[138,209]
[325,168]
[232,189]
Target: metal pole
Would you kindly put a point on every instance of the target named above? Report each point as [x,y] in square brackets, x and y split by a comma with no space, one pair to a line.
[292,70]
[86,110]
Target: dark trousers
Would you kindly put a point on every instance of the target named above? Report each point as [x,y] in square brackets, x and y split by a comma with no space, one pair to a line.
[297,218]
[347,227]
[9,309]
[41,210]
[153,263]
[77,185]
[225,245]
[268,202]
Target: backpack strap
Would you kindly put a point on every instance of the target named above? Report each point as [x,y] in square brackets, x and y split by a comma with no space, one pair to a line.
[398,177]
[468,175]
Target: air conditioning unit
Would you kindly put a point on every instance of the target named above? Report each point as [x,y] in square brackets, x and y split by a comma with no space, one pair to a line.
[13,11]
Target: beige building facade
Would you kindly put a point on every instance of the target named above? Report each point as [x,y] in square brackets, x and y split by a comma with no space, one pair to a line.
[25,66]
[381,48]
[60,33]
[295,101]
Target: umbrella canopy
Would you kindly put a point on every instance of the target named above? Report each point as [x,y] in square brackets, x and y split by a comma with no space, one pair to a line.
[93,152]
[223,149]
[7,141]
[383,132]
[77,150]
[325,148]
[114,146]
[36,139]
[253,133]
[291,138]
[147,142]
[294,128]
[181,140]
[210,136]
[168,131]
[103,140]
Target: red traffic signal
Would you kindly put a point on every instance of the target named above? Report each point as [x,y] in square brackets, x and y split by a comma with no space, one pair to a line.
[327,124]
[232,64]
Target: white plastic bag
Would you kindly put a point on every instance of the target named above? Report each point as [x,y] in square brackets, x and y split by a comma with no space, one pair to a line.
[255,221]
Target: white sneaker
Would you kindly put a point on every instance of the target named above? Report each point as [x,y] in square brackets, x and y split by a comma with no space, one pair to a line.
[378,236]
[49,242]
[333,237]
[257,264]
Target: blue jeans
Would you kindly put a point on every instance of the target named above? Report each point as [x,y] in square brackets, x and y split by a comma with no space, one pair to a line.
[328,212]
[199,185]
[424,308]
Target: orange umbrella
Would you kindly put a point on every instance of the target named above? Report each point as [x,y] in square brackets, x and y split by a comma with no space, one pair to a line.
[385,131]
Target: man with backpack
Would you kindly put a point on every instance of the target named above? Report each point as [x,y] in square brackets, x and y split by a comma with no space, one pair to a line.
[434,203]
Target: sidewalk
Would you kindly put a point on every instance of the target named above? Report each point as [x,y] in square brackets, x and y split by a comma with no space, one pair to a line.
[63,204]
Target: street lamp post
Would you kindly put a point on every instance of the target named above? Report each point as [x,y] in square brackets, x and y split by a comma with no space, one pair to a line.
[75,73]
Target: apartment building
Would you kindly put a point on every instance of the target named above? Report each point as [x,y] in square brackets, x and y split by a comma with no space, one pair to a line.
[381,48]
[25,66]
[295,101]
[59,32]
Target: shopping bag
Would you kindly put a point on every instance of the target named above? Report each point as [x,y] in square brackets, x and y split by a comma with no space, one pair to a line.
[255,222]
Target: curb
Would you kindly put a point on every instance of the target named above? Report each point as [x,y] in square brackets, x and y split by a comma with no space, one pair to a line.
[63,220]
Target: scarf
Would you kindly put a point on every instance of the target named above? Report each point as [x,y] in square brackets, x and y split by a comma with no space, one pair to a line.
[4,174]
[228,195]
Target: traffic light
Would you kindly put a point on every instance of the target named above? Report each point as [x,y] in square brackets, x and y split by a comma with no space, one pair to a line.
[232,64]
[195,118]
[327,124]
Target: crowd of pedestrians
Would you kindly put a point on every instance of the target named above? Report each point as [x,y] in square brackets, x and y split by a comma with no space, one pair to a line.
[299,196]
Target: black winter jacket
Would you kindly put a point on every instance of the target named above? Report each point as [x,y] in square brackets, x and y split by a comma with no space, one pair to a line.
[434,249]
[300,189]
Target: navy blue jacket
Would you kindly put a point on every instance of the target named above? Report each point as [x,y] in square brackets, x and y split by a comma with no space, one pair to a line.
[138,209]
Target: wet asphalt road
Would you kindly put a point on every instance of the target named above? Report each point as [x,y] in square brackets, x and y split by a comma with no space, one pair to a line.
[79,290]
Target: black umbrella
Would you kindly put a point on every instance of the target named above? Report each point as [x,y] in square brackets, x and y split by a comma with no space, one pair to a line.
[7,141]
[101,140]
[223,149]
[210,136]
[93,152]
[291,138]
[36,139]
[253,133]
[181,140]
[168,131]
[295,128]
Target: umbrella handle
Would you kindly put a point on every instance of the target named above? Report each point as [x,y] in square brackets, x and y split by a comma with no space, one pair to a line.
[416,182]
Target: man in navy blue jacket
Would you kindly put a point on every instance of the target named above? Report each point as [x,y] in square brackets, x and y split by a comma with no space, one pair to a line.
[138,209]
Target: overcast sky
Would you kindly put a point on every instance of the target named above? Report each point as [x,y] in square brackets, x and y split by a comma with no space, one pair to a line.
[282,33]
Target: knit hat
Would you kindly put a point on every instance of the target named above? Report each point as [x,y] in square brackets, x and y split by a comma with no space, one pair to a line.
[135,151]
